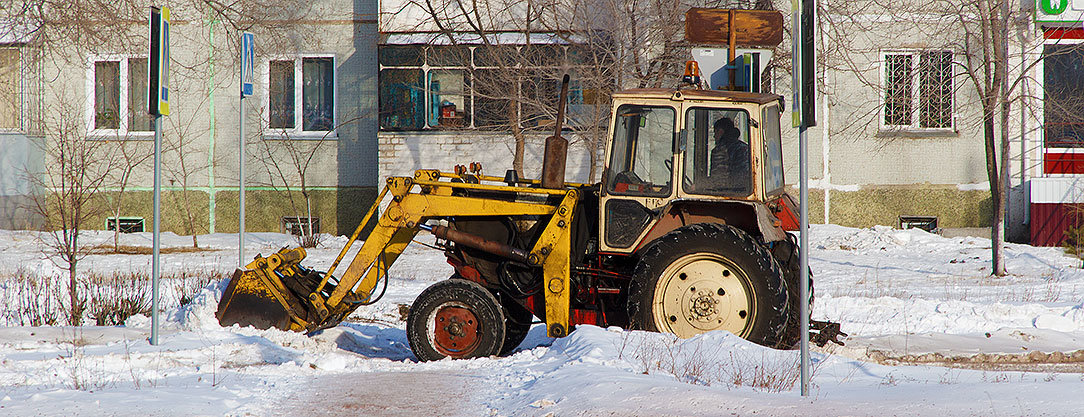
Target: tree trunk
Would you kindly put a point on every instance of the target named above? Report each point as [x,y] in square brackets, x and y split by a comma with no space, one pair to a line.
[1001,63]
[521,140]
[116,230]
[76,313]
[993,175]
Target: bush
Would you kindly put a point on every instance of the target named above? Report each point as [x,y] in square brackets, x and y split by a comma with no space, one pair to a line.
[187,284]
[32,300]
[114,298]
[1074,235]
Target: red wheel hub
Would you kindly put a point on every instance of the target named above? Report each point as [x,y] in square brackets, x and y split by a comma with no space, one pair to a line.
[455,331]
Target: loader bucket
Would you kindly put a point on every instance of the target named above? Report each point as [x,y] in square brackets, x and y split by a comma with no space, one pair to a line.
[250,300]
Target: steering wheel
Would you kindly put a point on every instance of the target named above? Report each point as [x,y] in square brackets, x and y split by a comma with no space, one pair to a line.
[685,181]
[628,177]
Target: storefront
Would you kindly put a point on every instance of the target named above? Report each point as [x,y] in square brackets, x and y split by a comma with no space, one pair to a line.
[1057,195]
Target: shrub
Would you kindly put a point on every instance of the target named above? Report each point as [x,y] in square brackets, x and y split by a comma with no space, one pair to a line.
[33,300]
[114,298]
[1074,235]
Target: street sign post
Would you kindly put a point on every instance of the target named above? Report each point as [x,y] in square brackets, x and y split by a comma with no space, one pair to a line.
[248,63]
[803,115]
[158,102]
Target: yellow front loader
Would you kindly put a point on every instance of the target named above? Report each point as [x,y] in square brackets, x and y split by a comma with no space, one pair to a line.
[276,291]
[669,240]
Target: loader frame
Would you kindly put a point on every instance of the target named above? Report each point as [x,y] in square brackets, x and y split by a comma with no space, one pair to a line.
[431,194]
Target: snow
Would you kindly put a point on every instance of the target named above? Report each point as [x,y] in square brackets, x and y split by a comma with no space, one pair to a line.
[930,331]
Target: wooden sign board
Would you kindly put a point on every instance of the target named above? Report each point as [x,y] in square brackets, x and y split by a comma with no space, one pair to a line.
[762,28]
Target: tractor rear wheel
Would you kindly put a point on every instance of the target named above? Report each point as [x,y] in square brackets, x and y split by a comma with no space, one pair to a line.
[455,318]
[706,277]
[786,255]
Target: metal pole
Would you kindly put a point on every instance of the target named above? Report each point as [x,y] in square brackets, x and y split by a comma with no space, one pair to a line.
[803,196]
[157,224]
[803,255]
[241,190]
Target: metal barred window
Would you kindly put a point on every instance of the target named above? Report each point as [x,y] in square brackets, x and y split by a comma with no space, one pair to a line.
[918,90]
[898,90]
[935,94]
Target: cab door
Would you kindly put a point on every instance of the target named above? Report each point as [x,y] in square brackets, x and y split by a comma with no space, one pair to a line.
[639,178]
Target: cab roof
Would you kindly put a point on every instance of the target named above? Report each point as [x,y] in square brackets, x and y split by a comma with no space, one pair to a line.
[690,94]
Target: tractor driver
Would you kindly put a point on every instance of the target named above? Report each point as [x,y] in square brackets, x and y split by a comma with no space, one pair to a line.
[729,159]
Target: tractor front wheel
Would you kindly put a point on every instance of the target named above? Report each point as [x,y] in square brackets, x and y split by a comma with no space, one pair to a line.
[708,277]
[455,318]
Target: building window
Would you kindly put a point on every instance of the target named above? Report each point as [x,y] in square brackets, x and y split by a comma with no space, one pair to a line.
[120,97]
[1063,96]
[918,90]
[305,106]
[459,86]
[10,102]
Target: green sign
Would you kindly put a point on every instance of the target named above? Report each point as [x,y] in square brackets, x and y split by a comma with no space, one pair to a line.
[1058,11]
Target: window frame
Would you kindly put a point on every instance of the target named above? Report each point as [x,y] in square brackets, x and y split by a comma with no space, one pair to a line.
[610,181]
[474,64]
[20,96]
[298,132]
[916,92]
[747,133]
[123,84]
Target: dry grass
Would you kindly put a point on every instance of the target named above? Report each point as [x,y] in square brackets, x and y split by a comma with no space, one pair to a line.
[695,362]
[143,250]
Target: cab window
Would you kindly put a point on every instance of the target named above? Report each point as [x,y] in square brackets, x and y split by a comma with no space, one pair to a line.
[773,150]
[717,154]
[640,160]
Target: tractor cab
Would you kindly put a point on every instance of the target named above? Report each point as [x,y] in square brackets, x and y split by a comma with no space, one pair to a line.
[688,148]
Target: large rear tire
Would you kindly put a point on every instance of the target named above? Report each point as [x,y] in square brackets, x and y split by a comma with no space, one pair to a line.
[706,277]
[455,318]
[786,255]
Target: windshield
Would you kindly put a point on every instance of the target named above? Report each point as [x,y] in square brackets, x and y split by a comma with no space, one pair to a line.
[640,161]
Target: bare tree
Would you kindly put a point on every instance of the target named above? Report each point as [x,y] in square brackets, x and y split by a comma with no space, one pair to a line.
[76,169]
[129,155]
[288,160]
[185,166]
[978,32]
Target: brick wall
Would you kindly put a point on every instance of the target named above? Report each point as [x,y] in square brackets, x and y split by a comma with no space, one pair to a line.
[403,152]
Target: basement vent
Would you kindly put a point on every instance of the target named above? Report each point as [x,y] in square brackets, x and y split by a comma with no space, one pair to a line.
[297,226]
[927,223]
[127,224]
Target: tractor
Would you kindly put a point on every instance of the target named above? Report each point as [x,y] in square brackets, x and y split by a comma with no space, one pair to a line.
[685,233]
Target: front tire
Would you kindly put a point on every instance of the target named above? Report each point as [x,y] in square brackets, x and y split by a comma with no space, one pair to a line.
[706,277]
[455,318]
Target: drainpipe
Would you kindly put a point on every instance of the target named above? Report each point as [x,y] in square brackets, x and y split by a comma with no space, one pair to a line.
[1023,124]
[211,131]
[826,174]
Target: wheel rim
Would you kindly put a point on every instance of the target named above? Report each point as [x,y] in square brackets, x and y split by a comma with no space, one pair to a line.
[702,292]
[453,330]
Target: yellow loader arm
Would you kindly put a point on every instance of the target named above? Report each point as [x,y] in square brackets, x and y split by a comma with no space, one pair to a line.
[276,291]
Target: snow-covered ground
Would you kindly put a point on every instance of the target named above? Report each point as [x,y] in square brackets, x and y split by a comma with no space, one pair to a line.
[930,332]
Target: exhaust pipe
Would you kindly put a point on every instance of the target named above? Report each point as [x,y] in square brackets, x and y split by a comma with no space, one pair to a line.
[553,161]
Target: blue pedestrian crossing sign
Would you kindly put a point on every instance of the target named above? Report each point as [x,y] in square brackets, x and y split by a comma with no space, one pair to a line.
[248,59]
